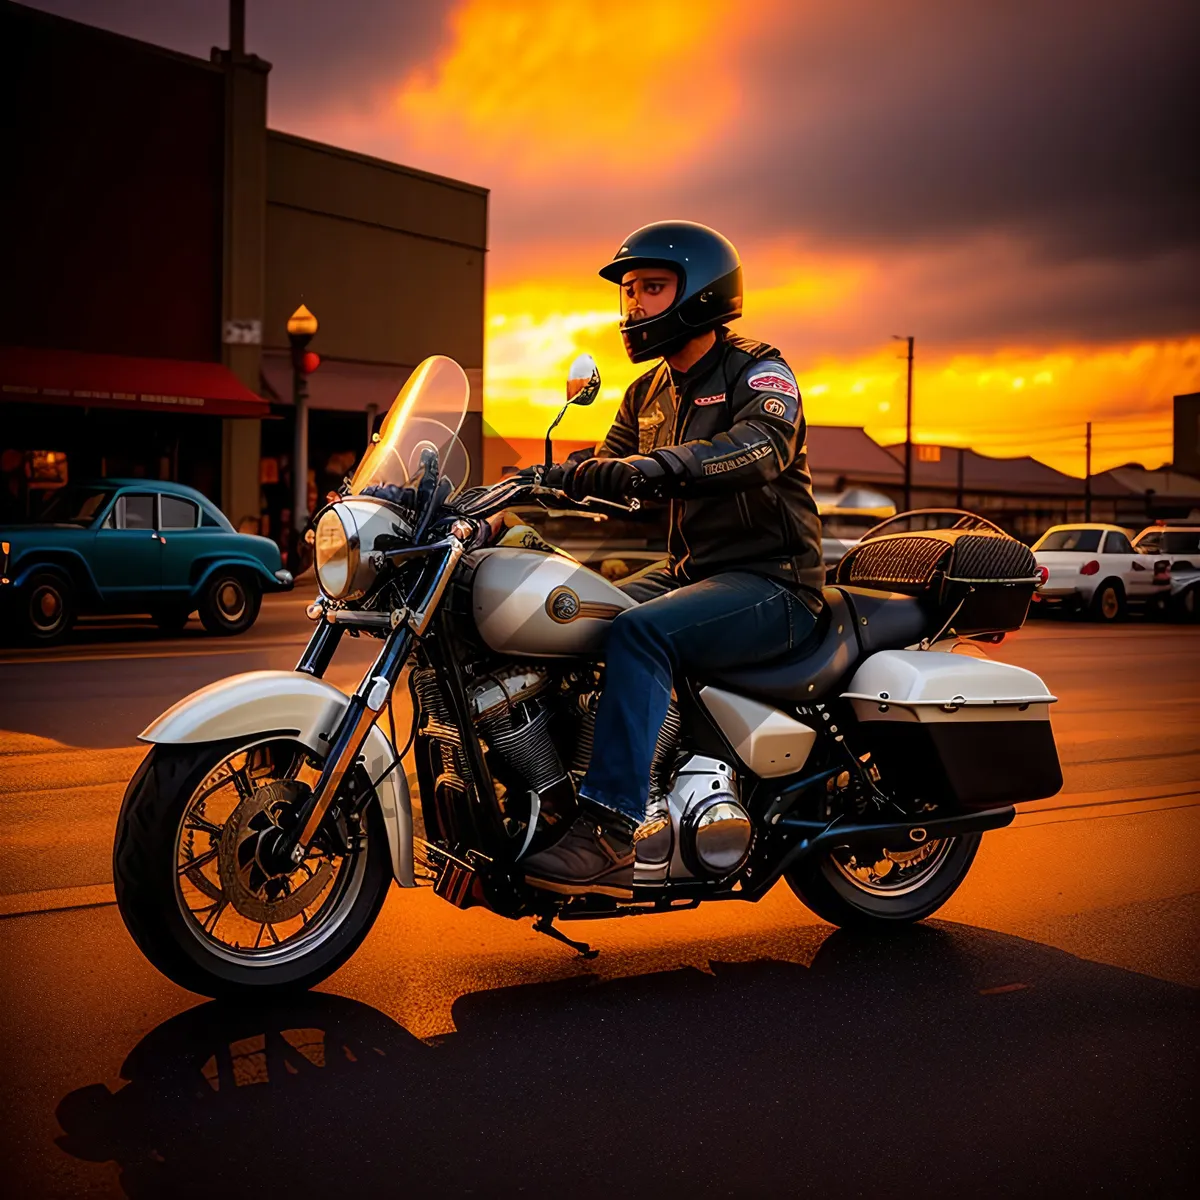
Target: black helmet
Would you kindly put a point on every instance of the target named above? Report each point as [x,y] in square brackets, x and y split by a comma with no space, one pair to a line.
[710,284]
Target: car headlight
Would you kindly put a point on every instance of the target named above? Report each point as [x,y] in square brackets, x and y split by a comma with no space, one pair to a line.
[335,555]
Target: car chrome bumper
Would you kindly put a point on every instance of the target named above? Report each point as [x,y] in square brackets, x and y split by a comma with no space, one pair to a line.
[285,580]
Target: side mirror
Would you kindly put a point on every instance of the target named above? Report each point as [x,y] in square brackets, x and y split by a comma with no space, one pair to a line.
[583,386]
[583,380]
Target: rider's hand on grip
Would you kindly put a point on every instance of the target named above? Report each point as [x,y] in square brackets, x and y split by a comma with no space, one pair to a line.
[604,478]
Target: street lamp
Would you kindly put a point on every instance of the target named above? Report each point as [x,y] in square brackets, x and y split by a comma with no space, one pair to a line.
[301,327]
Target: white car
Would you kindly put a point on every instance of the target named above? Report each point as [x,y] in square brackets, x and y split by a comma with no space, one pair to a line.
[1178,543]
[1095,569]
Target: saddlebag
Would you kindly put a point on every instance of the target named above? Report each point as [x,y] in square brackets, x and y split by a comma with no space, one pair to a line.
[956,730]
[980,582]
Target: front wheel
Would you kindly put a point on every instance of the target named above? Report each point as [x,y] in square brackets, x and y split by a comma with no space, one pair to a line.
[876,887]
[192,890]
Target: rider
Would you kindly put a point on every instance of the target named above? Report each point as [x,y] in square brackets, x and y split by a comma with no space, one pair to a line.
[717,428]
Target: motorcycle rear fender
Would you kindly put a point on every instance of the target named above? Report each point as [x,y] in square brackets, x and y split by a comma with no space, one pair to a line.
[298,705]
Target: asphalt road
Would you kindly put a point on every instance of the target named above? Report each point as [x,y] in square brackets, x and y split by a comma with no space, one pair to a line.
[1039,1037]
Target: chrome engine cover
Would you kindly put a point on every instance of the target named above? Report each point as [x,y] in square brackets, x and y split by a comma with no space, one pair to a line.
[713,832]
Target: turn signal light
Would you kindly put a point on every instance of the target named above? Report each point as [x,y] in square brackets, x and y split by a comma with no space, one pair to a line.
[1043,573]
[1089,568]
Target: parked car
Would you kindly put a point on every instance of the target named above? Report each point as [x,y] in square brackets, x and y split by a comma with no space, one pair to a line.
[1184,598]
[1179,545]
[1094,569]
[134,546]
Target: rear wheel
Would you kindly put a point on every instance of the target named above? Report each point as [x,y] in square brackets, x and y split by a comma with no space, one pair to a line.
[193,893]
[230,603]
[1108,603]
[876,887]
[48,608]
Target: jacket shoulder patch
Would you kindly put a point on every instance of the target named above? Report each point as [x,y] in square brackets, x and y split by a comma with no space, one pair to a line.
[773,376]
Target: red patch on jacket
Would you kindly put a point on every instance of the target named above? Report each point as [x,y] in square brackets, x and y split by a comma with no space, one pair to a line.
[771,381]
[700,401]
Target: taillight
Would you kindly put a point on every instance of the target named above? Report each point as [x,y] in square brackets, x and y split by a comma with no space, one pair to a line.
[1089,568]
[1043,575]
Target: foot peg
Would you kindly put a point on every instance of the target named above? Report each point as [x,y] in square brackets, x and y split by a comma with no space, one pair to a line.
[545,925]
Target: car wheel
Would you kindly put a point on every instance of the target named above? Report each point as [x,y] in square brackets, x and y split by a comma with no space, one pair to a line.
[1108,602]
[230,603]
[49,608]
[171,619]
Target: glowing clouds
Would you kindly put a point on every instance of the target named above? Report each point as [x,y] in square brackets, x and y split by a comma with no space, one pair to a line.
[575,84]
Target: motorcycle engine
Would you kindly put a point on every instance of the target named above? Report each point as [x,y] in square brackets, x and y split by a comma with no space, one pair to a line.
[714,831]
[513,716]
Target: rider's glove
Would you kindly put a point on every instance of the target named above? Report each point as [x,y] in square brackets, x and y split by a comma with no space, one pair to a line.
[605,478]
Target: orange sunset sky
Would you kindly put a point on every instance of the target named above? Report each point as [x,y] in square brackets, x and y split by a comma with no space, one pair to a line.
[1013,183]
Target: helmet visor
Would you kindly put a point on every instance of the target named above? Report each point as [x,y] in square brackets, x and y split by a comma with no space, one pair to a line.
[647,291]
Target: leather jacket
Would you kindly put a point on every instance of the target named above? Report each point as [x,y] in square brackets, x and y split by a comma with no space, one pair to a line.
[726,446]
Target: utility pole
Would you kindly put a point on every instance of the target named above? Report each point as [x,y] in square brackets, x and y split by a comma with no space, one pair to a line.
[1087,477]
[908,445]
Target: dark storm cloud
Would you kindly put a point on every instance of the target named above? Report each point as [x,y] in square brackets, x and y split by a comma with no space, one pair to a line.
[1066,119]
[1062,128]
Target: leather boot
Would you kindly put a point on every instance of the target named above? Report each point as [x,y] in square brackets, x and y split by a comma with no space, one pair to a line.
[594,856]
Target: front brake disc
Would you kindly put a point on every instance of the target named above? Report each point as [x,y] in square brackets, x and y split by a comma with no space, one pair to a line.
[253,892]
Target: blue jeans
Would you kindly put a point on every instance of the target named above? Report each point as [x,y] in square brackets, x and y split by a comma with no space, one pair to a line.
[732,620]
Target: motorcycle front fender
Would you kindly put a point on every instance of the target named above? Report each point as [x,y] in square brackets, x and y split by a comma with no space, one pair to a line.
[292,704]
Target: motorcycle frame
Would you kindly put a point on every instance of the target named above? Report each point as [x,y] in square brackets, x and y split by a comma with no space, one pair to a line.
[781,842]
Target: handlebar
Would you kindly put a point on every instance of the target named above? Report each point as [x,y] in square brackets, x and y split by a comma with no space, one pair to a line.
[506,491]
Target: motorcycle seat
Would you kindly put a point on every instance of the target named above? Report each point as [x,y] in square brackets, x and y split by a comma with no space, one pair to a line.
[853,623]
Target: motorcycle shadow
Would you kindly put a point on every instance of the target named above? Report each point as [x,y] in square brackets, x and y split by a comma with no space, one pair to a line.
[941,1060]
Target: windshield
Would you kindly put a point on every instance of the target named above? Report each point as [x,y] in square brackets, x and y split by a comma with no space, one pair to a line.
[427,414]
[75,506]
[1085,540]
[1170,541]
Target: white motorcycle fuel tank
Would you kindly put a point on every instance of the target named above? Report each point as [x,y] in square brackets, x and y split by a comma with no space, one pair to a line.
[538,605]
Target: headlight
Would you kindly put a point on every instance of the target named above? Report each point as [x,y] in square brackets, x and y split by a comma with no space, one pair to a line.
[335,555]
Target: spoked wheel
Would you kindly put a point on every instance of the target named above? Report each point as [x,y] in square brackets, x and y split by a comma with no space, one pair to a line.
[877,886]
[201,899]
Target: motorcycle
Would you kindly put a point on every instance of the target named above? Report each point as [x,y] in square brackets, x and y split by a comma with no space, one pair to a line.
[260,835]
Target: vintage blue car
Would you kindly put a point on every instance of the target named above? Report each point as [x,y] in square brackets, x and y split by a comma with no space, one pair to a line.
[134,546]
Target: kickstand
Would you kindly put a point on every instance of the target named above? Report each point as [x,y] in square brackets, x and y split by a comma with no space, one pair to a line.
[545,924]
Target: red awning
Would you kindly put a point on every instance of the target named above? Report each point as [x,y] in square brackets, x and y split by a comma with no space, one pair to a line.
[113,381]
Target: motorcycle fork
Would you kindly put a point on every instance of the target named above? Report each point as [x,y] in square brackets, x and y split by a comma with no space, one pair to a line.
[369,700]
